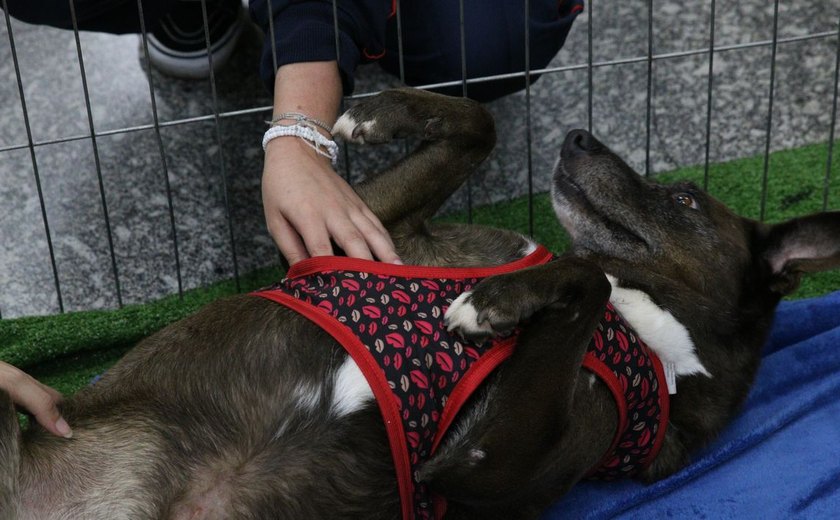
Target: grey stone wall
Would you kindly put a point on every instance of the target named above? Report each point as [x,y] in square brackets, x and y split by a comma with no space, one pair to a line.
[201,166]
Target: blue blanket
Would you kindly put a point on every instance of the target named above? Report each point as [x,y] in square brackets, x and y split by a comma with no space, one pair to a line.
[780,458]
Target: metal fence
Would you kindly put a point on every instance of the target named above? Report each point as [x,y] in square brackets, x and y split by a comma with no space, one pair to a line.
[583,65]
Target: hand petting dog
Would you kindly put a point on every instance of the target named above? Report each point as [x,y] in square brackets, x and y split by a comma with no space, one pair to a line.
[36,398]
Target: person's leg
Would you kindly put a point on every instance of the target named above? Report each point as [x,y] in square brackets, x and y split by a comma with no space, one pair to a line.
[494,36]
[177,44]
[110,16]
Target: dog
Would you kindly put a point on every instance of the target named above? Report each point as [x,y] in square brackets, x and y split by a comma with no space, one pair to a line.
[247,409]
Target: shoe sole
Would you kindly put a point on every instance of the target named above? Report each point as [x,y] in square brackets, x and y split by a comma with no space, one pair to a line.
[194,64]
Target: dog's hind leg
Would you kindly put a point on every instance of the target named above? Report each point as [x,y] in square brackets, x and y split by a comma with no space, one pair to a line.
[9,457]
[456,135]
[128,467]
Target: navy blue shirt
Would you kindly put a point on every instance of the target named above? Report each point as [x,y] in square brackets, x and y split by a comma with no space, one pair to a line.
[304,30]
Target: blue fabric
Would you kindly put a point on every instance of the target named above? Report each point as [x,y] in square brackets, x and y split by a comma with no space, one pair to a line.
[780,458]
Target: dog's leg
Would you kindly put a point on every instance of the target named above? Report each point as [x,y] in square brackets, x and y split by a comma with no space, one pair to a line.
[497,454]
[456,135]
[9,457]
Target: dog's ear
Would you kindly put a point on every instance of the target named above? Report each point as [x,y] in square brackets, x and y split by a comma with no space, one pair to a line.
[803,245]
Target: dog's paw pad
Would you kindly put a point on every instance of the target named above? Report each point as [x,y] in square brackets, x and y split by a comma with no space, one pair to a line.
[462,317]
[349,129]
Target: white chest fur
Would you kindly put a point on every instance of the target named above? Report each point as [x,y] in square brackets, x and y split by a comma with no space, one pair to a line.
[658,328]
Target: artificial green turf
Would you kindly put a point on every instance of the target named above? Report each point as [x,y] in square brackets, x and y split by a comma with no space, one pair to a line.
[66,351]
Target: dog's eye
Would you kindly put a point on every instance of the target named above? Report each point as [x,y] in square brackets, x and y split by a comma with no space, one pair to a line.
[685,199]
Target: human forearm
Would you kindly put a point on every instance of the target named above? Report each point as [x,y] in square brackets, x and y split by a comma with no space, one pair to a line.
[311,88]
[307,205]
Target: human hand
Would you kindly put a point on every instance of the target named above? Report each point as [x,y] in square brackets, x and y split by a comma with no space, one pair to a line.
[36,398]
[306,204]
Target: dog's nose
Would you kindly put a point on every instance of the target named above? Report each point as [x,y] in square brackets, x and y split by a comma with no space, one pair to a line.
[579,142]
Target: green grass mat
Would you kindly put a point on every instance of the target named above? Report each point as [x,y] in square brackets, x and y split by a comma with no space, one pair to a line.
[66,351]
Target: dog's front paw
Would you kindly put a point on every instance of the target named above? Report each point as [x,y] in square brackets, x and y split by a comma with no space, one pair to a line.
[391,114]
[360,132]
[462,317]
[477,321]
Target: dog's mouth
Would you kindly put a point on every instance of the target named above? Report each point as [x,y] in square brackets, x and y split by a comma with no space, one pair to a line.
[593,218]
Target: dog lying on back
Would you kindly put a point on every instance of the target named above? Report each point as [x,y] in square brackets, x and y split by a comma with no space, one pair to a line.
[252,409]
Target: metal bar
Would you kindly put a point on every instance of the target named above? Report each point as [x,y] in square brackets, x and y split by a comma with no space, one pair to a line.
[769,112]
[336,31]
[590,89]
[271,35]
[401,57]
[347,169]
[528,119]
[470,81]
[96,152]
[649,98]
[140,128]
[219,142]
[463,30]
[709,97]
[622,61]
[33,158]
[827,182]
[163,163]
[464,93]
[400,51]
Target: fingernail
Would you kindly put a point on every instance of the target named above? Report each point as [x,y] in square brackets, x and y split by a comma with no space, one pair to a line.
[398,262]
[63,428]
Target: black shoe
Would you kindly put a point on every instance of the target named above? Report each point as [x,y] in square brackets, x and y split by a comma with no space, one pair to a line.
[177,46]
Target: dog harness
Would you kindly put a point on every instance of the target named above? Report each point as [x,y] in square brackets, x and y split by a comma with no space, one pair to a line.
[389,319]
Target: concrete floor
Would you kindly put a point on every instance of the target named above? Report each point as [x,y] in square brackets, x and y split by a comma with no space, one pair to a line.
[202,167]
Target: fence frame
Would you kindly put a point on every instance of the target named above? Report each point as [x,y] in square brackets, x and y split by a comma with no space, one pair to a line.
[649,58]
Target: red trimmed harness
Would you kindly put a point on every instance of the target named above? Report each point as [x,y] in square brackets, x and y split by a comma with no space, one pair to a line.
[389,318]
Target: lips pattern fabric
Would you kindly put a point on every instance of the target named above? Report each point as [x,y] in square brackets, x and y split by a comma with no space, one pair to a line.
[636,379]
[400,323]
[390,320]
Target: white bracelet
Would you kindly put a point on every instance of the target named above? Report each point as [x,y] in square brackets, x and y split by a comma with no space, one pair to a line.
[310,136]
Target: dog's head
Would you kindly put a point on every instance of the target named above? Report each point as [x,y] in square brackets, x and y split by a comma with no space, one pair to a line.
[706,280]
[678,243]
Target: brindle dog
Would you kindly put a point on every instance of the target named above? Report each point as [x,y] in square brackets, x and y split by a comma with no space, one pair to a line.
[204,419]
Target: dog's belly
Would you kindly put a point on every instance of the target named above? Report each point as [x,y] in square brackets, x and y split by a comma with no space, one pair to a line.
[271,419]
[210,501]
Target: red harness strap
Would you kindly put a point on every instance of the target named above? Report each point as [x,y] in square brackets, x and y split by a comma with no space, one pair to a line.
[636,379]
[389,318]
